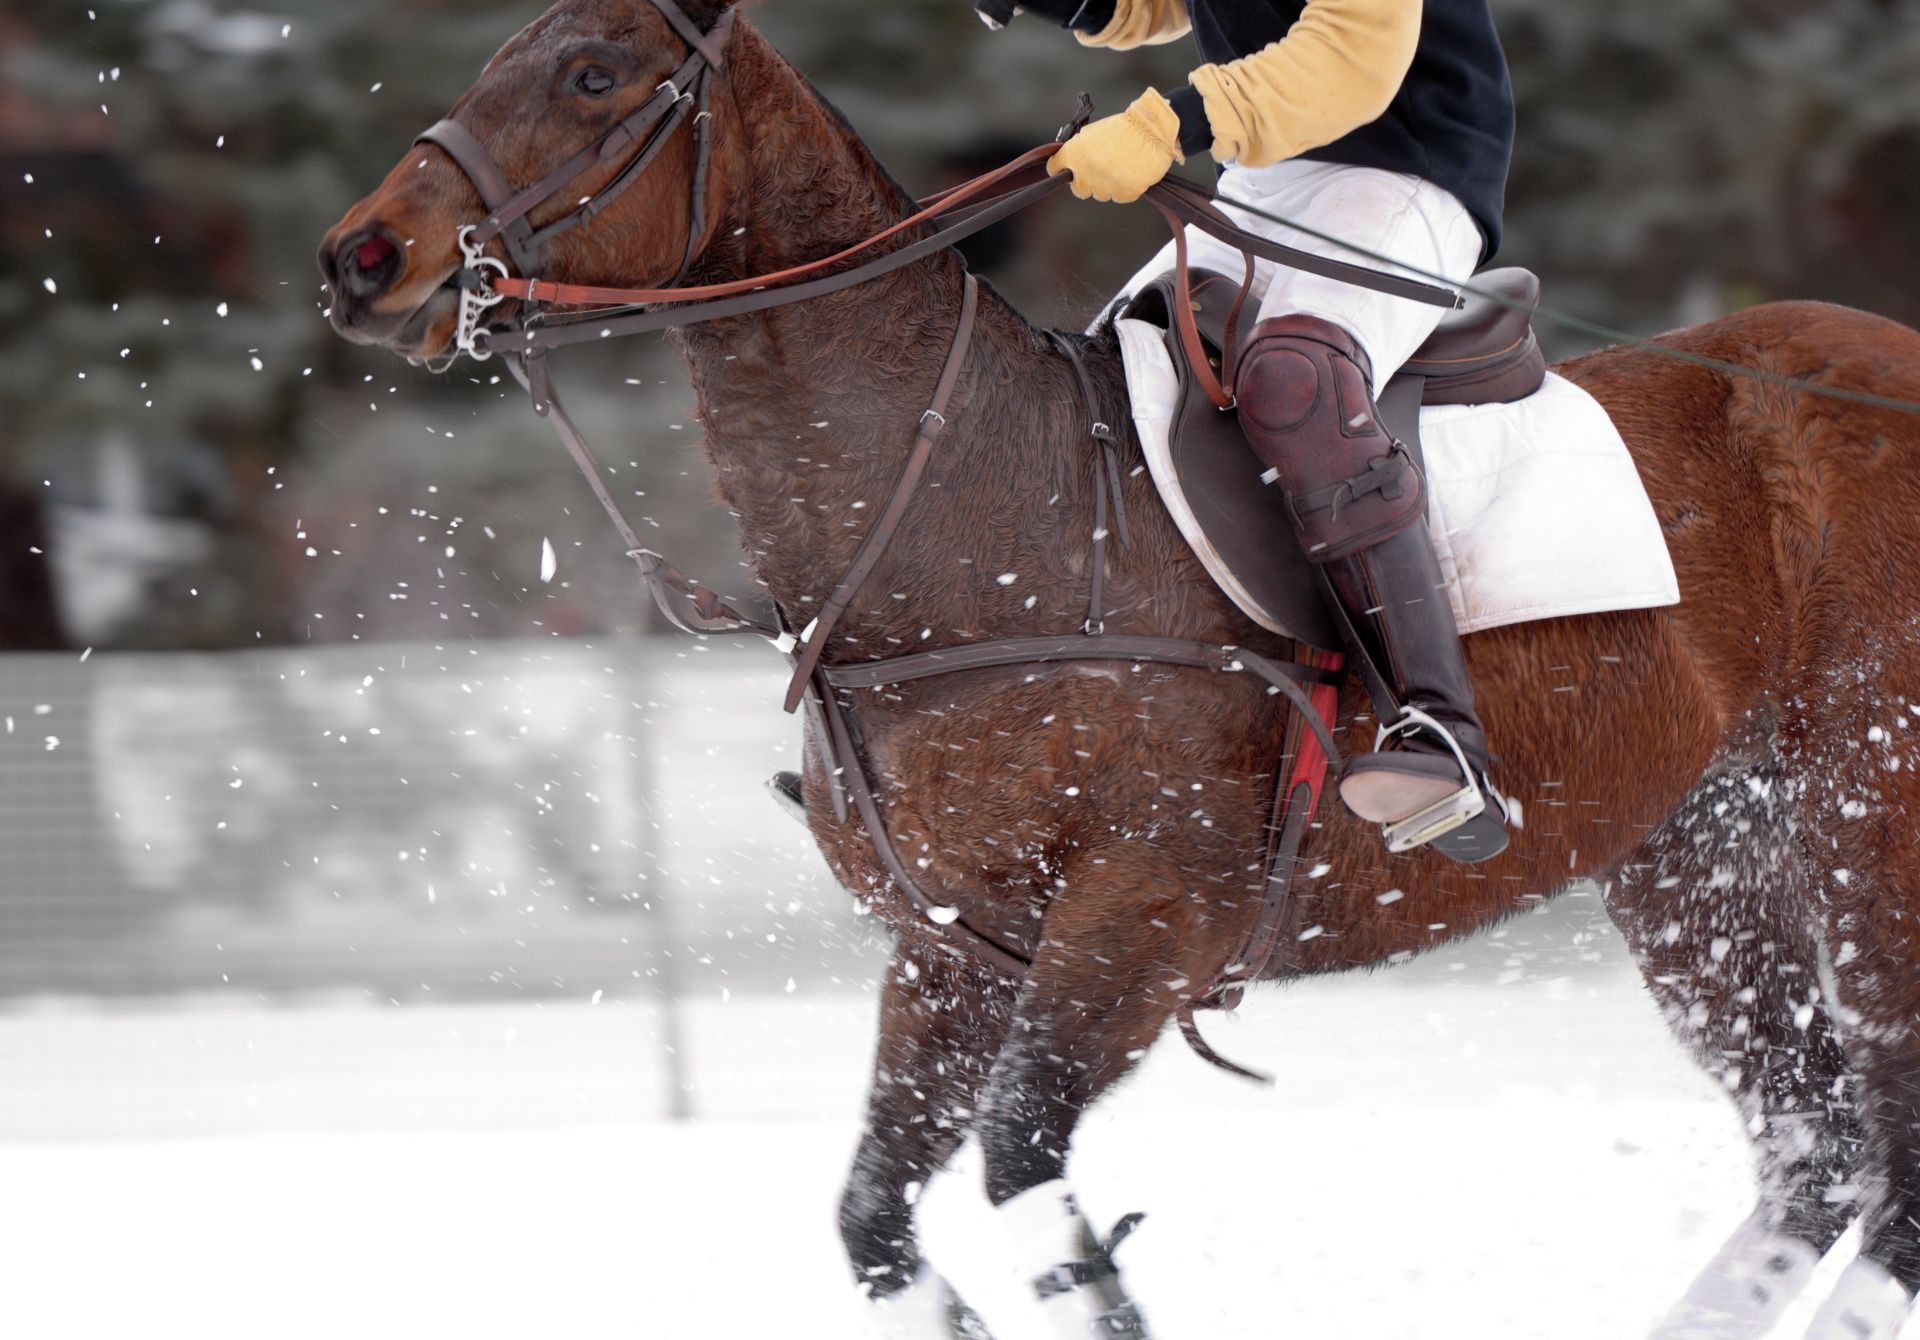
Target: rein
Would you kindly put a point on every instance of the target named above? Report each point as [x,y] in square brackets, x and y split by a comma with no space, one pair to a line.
[824,689]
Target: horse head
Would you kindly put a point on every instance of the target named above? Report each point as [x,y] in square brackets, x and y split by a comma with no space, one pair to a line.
[590,83]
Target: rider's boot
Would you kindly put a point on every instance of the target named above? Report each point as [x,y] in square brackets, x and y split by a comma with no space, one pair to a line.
[1358,504]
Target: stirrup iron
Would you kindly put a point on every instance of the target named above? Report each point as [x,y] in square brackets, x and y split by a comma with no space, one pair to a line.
[1445,814]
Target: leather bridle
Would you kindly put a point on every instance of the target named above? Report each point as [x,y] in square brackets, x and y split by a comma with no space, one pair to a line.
[684,92]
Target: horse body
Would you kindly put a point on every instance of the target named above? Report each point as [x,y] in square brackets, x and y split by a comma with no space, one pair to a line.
[1732,769]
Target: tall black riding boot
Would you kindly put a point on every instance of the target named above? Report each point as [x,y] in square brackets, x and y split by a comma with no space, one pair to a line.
[1358,504]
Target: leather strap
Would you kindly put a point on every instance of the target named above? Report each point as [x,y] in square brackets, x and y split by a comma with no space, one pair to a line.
[656,109]
[1194,204]
[1180,202]
[573,295]
[1285,676]
[852,769]
[1106,482]
[1204,368]
[474,160]
[711,46]
[509,211]
[710,613]
[884,526]
[702,155]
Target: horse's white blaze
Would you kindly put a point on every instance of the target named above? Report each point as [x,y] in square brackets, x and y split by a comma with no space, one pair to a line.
[1743,1290]
[1867,1304]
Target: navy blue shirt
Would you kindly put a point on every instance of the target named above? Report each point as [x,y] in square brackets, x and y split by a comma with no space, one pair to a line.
[1451,122]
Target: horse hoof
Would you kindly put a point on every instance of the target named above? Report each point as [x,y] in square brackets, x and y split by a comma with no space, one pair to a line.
[1744,1290]
[927,1309]
[1867,1304]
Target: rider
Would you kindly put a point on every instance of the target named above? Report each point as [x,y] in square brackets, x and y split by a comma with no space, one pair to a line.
[1387,124]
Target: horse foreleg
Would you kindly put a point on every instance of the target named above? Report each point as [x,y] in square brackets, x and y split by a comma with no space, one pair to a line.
[1103,985]
[1719,910]
[940,1024]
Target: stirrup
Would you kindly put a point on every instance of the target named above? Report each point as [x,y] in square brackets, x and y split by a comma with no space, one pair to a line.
[1445,814]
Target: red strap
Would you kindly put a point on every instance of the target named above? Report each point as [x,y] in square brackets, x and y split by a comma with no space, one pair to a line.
[1310,760]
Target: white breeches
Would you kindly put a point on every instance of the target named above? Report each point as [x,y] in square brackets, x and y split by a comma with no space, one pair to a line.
[1390,214]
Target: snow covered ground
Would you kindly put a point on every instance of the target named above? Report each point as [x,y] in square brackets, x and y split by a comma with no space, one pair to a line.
[1455,1149]
[1499,1140]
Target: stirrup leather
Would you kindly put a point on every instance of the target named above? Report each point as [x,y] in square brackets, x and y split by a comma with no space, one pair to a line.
[1447,813]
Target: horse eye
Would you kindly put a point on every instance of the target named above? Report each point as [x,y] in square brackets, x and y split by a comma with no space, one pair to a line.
[594,82]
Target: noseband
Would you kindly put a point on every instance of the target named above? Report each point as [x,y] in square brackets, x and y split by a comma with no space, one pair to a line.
[685,91]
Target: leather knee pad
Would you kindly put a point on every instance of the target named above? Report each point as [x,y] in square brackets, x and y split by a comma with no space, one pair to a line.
[1306,409]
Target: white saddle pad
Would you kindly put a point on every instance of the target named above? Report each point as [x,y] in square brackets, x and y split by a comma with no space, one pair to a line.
[1535,507]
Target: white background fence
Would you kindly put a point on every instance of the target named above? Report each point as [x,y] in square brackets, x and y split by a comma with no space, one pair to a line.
[404,818]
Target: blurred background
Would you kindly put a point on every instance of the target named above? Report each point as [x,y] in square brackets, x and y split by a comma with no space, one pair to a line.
[322,815]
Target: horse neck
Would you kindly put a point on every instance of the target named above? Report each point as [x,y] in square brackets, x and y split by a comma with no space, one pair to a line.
[812,409]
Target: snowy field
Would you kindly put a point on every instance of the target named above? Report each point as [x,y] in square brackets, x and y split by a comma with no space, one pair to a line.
[1499,1140]
[1447,1154]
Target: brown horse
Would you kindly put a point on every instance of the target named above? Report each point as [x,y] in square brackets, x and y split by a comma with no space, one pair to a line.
[1733,769]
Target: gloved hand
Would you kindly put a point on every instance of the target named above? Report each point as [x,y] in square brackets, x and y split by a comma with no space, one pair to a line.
[1118,157]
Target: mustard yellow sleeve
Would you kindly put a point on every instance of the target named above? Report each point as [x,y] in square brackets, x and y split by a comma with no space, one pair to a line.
[1139,23]
[1336,69]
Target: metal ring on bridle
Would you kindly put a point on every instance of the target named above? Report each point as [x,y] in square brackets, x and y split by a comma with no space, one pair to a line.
[476,295]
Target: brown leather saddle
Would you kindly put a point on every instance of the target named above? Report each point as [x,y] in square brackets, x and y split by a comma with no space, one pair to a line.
[1484,353]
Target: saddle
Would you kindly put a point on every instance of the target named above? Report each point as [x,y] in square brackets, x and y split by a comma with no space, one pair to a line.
[1484,353]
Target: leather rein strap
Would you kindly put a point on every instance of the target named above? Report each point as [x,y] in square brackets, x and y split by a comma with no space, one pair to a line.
[1180,202]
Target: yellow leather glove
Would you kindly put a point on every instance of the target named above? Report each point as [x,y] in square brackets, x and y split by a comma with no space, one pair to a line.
[1118,157]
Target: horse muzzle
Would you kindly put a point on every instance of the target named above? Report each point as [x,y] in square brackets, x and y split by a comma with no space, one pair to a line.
[380,293]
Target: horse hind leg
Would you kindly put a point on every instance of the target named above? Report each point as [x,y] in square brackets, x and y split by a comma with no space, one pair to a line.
[940,1024]
[1718,910]
[1866,812]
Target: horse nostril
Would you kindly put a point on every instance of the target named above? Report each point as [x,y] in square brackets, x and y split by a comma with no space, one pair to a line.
[368,263]
[372,252]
